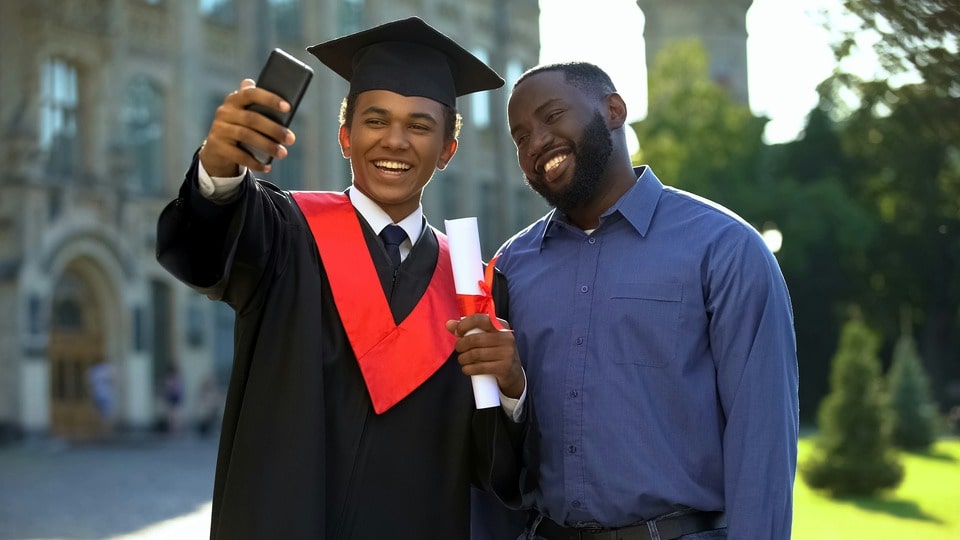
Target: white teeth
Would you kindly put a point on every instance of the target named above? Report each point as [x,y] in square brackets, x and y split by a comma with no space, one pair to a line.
[553,163]
[392,165]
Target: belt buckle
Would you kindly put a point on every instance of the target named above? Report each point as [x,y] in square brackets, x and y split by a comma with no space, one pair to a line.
[590,531]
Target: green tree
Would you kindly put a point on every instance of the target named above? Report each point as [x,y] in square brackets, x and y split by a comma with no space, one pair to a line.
[915,39]
[854,453]
[900,137]
[695,135]
[915,421]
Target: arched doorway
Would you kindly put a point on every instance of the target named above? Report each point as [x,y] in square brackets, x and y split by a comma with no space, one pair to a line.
[79,371]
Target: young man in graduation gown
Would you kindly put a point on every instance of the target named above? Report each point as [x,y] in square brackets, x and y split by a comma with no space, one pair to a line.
[348,415]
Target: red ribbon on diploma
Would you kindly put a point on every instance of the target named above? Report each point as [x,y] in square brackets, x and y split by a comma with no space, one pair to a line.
[483,302]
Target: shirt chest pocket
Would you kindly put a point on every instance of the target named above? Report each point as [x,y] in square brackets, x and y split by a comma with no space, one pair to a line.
[644,323]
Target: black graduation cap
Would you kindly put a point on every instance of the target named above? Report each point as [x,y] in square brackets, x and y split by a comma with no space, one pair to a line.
[408,57]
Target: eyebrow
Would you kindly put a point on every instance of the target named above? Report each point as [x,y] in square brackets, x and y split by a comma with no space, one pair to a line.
[539,110]
[373,109]
[549,103]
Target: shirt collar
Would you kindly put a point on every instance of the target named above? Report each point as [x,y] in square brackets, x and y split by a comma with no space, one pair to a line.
[637,205]
[378,219]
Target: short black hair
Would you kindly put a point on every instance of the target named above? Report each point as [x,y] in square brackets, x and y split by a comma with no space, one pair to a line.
[452,121]
[584,75]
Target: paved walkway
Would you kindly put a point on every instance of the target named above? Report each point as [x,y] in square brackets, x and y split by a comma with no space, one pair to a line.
[131,490]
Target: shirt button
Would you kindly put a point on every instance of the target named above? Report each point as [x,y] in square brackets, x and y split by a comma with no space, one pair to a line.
[572,449]
[576,504]
[573,393]
[584,288]
[579,341]
[592,240]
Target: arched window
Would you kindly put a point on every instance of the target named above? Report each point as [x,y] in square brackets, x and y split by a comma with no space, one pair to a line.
[480,101]
[142,118]
[513,72]
[219,11]
[58,117]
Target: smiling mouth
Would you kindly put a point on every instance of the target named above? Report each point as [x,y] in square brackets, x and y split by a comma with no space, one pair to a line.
[393,167]
[554,162]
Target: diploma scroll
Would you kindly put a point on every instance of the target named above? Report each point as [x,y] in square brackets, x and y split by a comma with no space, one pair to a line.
[467,263]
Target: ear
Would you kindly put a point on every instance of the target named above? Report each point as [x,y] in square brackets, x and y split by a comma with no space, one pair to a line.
[344,137]
[449,149]
[615,111]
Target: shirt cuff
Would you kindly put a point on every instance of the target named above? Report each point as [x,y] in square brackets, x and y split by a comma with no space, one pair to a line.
[514,407]
[219,189]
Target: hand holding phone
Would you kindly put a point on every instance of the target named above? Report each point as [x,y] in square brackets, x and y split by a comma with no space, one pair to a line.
[287,77]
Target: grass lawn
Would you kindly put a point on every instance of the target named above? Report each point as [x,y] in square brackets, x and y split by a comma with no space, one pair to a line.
[926,506]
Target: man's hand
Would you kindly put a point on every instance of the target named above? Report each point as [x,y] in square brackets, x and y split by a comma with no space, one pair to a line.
[233,123]
[489,352]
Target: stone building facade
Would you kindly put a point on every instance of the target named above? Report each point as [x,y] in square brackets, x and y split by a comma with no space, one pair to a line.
[102,104]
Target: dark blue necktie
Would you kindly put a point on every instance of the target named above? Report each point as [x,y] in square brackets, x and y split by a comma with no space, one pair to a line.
[392,236]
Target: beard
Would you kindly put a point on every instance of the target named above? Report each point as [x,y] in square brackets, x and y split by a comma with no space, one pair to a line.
[591,156]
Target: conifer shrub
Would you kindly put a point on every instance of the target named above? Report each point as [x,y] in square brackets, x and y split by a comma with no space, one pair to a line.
[854,454]
[915,422]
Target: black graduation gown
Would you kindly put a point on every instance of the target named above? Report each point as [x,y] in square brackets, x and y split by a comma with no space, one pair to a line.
[302,453]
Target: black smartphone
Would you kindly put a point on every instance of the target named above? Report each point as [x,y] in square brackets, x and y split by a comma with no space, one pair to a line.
[287,77]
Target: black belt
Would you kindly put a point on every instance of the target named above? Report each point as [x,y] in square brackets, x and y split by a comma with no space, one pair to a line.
[669,528]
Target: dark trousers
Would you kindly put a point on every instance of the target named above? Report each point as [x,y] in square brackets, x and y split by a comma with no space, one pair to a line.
[682,525]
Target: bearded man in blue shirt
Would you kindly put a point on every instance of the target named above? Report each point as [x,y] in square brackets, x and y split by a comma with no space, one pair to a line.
[656,332]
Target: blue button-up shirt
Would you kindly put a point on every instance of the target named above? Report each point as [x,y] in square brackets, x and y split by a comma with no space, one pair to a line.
[661,361]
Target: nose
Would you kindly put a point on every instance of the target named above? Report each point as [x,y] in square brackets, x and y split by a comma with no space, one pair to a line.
[538,139]
[395,137]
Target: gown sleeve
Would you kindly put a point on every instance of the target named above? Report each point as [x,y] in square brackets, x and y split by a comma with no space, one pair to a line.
[223,250]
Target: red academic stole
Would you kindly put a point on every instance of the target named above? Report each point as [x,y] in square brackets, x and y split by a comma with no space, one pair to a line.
[394,359]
